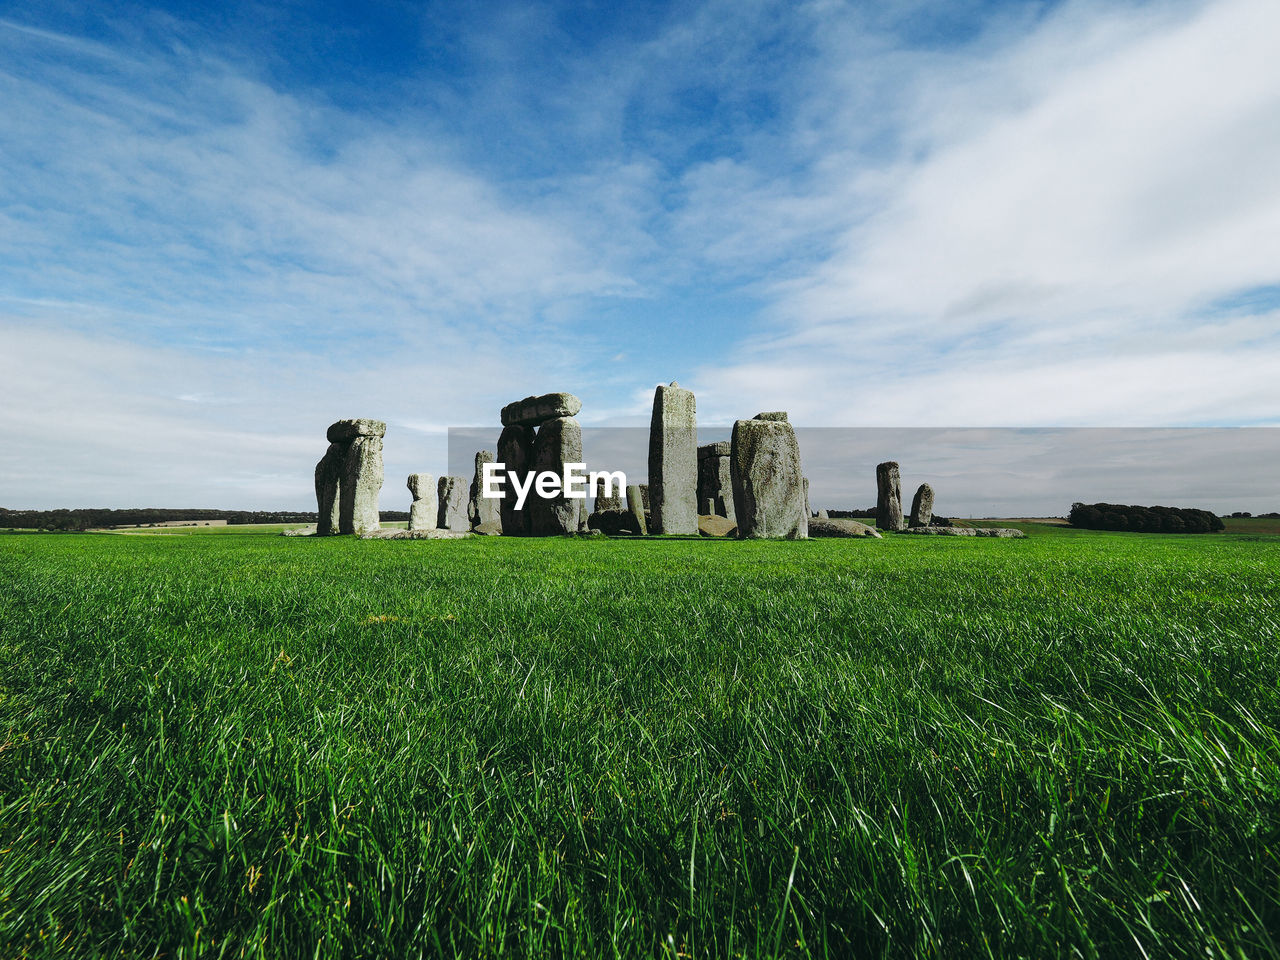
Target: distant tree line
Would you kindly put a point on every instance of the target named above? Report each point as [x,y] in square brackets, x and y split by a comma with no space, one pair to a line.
[1117,516]
[72,521]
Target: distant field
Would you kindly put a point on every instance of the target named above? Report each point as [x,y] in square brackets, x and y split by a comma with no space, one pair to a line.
[1067,745]
[1261,525]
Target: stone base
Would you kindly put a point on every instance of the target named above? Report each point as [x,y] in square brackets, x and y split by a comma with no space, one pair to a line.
[415,535]
[840,527]
[1003,532]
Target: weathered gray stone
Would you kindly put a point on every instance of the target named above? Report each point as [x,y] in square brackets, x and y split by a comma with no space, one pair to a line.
[606,501]
[430,534]
[423,509]
[614,522]
[922,506]
[636,497]
[819,527]
[888,496]
[558,442]
[714,525]
[775,415]
[1000,532]
[768,485]
[423,514]
[491,529]
[807,511]
[421,485]
[344,431]
[715,480]
[533,411]
[644,496]
[451,513]
[361,481]
[823,515]
[515,452]
[328,487]
[673,461]
[482,509]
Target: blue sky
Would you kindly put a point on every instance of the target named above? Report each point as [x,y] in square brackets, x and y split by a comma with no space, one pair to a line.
[224,226]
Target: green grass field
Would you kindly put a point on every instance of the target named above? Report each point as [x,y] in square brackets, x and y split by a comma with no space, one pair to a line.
[264,746]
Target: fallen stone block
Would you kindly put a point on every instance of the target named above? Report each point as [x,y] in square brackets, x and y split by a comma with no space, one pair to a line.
[714,525]
[839,527]
[1001,532]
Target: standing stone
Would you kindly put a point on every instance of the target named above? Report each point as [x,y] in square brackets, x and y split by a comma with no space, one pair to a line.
[768,485]
[451,513]
[423,510]
[888,496]
[349,477]
[715,480]
[635,506]
[328,485]
[361,481]
[482,509]
[807,511]
[922,506]
[673,461]
[515,451]
[558,442]
[603,500]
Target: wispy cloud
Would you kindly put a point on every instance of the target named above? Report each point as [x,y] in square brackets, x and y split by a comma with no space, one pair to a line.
[911,213]
[1049,242]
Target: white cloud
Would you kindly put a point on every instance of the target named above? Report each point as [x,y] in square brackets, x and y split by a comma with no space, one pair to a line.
[97,420]
[1065,209]
[178,186]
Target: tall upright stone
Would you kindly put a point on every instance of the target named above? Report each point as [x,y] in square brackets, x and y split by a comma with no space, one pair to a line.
[673,461]
[635,506]
[888,496]
[351,475]
[606,495]
[361,481]
[515,452]
[558,442]
[768,483]
[328,487]
[451,513]
[922,506]
[482,509]
[715,480]
[423,511]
